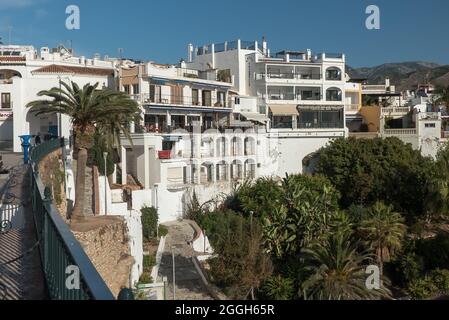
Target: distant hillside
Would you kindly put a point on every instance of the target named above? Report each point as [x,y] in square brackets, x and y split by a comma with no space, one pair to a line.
[405,75]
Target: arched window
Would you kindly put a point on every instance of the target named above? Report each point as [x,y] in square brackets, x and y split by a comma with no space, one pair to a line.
[333,74]
[333,94]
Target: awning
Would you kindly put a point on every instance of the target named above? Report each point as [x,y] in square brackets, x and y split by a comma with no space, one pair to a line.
[284,110]
[253,116]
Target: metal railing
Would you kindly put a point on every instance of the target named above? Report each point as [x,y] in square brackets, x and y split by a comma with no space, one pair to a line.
[288,76]
[58,247]
[182,100]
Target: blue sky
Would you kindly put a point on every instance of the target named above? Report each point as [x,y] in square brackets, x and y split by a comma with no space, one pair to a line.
[160,30]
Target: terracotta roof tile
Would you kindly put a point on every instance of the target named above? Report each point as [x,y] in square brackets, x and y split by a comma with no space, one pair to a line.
[12,60]
[54,68]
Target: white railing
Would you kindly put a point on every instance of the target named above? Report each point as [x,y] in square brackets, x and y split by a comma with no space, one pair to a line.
[13,214]
[352,107]
[389,110]
[399,132]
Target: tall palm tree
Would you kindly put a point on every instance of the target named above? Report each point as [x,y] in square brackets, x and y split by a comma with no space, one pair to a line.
[336,272]
[90,109]
[383,231]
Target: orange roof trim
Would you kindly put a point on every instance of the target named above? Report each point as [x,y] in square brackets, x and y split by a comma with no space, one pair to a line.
[54,68]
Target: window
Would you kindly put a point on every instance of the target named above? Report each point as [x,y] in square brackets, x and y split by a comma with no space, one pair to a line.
[126,88]
[430,125]
[136,89]
[237,100]
[155,93]
[221,99]
[207,98]
[333,94]
[195,97]
[333,74]
[6,101]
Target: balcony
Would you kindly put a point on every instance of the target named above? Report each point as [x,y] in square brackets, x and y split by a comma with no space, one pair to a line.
[395,110]
[188,101]
[164,155]
[352,107]
[288,76]
[399,132]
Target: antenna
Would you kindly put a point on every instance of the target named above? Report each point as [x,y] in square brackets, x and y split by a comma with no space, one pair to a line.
[120,53]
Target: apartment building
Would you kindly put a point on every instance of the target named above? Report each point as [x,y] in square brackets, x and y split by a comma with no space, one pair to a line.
[24,72]
[191,138]
[301,94]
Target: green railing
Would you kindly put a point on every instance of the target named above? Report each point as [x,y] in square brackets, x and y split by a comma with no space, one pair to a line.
[64,262]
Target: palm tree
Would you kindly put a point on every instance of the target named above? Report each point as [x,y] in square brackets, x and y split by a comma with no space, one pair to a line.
[383,231]
[90,109]
[336,272]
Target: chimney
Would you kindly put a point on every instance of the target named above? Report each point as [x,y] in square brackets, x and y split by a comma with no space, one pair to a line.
[264,46]
[308,54]
[190,53]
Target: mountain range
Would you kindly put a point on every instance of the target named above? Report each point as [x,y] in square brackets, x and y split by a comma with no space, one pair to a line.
[404,75]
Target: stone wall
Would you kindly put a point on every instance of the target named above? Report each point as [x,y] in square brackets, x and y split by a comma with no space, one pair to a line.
[105,241]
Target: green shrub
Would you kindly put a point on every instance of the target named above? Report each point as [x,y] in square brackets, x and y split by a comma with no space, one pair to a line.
[435,252]
[148,262]
[440,279]
[163,231]
[145,278]
[423,288]
[149,222]
[279,288]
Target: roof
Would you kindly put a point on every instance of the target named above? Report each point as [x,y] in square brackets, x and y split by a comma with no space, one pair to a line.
[11,60]
[54,68]
[284,109]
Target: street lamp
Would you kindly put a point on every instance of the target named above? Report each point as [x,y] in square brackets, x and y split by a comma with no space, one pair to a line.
[105,156]
[174,273]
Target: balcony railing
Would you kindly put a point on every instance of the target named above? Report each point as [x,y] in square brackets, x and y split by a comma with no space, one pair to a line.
[352,107]
[399,132]
[58,247]
[181,100]
[391,110]
[288,76]
[320,125]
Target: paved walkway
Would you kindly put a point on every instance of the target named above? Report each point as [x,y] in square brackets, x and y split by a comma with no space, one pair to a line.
[22,279]
[188,282]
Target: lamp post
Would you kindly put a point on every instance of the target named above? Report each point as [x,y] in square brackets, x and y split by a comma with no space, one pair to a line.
[105,156]
[174,273]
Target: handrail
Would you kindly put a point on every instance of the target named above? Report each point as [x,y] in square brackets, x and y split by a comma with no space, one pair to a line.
[59,248]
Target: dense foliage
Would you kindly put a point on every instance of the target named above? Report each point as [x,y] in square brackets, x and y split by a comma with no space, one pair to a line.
[370,203]
[365,171]
[149,222]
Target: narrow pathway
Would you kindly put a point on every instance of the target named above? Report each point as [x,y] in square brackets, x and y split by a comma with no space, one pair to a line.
[22,279]
[188,281]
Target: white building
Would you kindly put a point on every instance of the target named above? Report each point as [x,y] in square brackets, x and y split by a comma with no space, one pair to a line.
[231,112]
[190,139]
[24,72]
[301,94]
